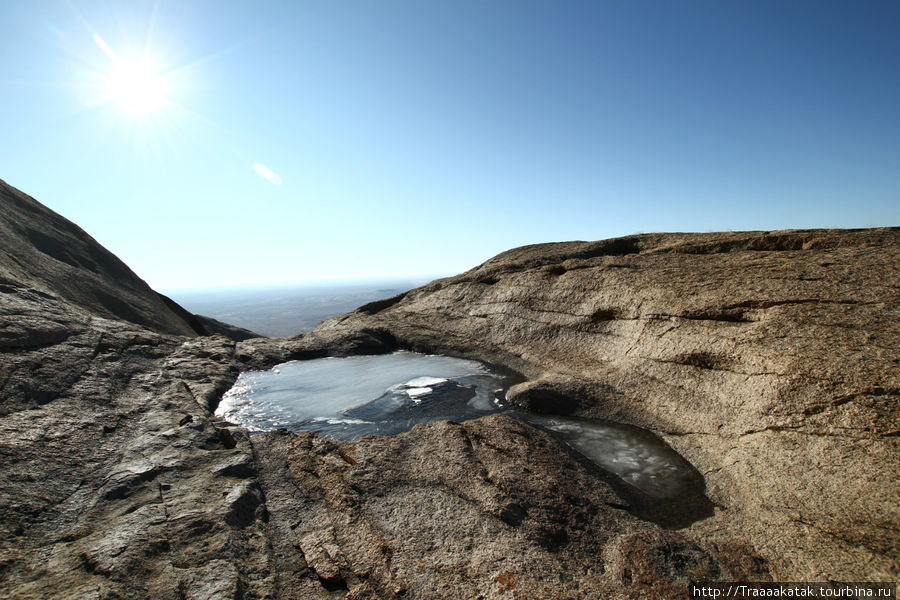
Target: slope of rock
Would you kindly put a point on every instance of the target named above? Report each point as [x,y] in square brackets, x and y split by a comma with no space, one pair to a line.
[116,481]
[489,508]
[43,251]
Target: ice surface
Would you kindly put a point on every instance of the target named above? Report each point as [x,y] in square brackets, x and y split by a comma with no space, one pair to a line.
[350,397]
[636,455]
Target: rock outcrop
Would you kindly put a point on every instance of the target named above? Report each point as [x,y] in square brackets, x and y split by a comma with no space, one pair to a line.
[768,360]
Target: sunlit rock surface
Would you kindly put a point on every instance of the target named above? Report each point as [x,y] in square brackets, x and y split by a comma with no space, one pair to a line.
[768,361]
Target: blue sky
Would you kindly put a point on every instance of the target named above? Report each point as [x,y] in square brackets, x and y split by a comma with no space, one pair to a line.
[409,137]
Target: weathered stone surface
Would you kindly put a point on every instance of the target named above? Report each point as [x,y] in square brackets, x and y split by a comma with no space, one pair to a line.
[115,475]
[216,580]
[444,510]
[110,490]
[767,360]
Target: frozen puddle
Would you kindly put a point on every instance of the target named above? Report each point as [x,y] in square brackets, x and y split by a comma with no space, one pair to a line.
[658,483]
[635,455]
[347,398]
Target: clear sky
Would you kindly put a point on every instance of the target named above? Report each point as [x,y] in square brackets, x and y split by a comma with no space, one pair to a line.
[222,143]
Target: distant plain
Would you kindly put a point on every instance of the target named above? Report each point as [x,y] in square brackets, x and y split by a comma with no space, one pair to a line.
[285,310]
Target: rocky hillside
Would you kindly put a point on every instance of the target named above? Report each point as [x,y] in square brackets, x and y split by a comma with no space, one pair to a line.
[768,360]
[45,252]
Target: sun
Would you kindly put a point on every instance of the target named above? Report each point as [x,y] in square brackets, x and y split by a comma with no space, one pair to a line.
[136,86]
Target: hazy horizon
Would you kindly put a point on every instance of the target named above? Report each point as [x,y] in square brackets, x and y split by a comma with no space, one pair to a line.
[221,144]
[281,310]
[417,280]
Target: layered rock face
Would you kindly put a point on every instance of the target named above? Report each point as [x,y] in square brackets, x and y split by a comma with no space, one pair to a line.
[767,360]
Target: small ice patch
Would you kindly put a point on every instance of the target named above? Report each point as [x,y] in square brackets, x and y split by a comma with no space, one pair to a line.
[334,421]
[416,392]
[418,386]
[422,382]
[635,455]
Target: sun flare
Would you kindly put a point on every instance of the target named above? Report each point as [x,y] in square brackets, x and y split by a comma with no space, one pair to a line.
[137,87]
